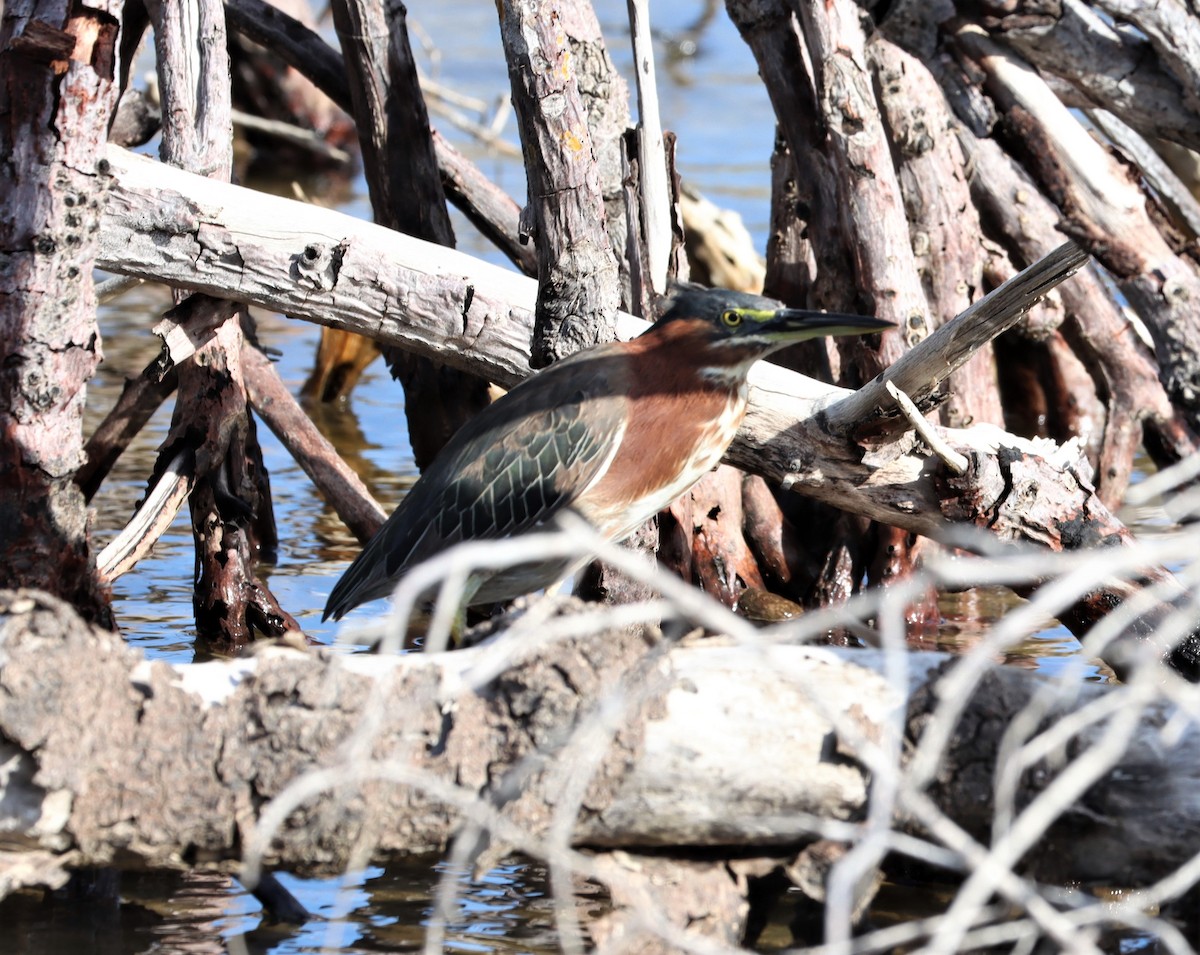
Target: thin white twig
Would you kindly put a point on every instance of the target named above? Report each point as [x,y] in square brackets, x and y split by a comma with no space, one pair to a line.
[956,462]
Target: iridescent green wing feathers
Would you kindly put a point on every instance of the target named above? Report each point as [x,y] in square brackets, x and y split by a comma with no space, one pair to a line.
[534,470]
[514,466]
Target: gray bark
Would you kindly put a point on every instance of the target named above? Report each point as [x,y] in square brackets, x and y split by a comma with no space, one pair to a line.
[605,740]
[578,281]
[168,226]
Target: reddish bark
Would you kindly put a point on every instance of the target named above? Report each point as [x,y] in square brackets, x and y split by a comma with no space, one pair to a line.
[771,535]
[896,554]
[58,90]
[723,564]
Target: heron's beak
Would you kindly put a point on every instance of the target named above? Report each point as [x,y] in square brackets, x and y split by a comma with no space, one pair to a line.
[799,324]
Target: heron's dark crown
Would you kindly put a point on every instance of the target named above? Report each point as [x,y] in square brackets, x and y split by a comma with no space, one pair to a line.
[695,301]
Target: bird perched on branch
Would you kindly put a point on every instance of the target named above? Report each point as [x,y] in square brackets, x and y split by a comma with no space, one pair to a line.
[614,433]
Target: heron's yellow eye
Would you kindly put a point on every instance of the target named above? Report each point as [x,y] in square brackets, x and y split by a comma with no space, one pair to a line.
[731,318]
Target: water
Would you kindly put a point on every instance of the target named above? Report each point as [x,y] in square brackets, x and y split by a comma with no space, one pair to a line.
[715,103]
[505,910]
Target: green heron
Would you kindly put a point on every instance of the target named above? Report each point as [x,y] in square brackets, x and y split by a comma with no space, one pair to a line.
[614,433]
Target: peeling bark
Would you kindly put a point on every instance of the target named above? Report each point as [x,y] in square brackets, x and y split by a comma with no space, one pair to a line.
[58,91]
[578,282]
[397,752]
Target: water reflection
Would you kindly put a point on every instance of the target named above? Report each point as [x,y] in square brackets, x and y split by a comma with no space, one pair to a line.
[507,909]
[968,617]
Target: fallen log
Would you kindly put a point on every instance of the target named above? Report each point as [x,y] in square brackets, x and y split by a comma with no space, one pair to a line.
[564,733]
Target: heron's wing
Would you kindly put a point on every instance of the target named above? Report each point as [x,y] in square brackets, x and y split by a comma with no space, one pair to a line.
[515,465]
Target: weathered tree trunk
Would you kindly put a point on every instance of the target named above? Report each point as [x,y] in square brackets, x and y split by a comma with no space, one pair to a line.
[605,100]
[843,169]
[804,225]
[881,201]
[578,281]
[797,436]
[230,502]
[293,757]
[942,219]
[58,90]
[1104,208]
[406,195]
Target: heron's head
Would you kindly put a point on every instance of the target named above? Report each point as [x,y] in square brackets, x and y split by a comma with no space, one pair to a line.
[731,321]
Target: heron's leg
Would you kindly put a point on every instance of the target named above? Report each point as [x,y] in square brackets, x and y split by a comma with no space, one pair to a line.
[448,624]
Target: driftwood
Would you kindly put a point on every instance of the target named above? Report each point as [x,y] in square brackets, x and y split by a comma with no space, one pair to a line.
[873,222]
[1137,406]
[871,210]
[1116,69]
[300,757]
[843,158]
[805,254]
[317,269]
[720,251]
[865,173]
[836,46]
[1107,211]
[985,62]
